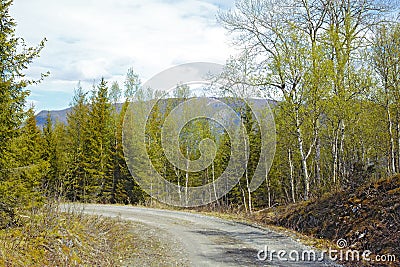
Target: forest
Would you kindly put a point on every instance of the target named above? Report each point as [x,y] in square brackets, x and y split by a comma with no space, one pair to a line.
[329,69]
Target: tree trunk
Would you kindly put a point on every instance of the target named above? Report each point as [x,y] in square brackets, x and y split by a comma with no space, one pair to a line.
[341,159]
[398,141]
[392,164]
[165,182]
[268,187]
[335,155]
[178,175]
[244,199]
[303,158]
[187,175]
[249,193]
[292,188]
[246,173]
[317,158]
[213,180]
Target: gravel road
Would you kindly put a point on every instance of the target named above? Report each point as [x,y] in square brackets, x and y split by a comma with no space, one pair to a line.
[200,240]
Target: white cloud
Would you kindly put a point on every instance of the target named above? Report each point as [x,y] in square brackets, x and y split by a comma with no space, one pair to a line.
[89,39]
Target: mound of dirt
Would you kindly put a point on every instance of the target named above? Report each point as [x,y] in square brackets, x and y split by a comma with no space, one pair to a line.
[368,217]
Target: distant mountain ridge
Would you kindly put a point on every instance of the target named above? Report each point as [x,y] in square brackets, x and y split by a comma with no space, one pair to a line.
[56,115]
[61,115]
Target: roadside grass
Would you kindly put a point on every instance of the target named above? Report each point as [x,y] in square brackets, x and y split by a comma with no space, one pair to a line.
[50,237]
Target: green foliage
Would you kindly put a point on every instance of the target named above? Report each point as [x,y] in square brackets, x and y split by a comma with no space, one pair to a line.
[90,164]
[98,145]
[76,132]
[21,167]
[14,61]
[132,84]
[337,114]
[22,190]
[315,61]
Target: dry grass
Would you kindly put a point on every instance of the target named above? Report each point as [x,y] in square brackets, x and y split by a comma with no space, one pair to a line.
[49,237]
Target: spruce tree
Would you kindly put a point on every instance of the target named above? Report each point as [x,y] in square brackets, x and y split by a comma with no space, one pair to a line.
[77,132]
[14,61]
[99,143]
[15,58]
[51,183]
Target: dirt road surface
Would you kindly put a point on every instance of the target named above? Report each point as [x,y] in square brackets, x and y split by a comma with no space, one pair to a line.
[209,241]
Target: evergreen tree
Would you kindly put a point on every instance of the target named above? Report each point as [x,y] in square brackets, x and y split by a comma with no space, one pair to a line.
[15,58]
[14,61]
[27,170]
[98,167]
[54,154]
[125,188]
[77,132]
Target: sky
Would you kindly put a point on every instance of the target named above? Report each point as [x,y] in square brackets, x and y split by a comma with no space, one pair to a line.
[90,39]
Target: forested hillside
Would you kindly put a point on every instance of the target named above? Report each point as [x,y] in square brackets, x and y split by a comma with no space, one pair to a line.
[330,68]
[330,71]
[334,77]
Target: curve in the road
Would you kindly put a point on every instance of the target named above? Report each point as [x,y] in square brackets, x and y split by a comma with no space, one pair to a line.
[211,241]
